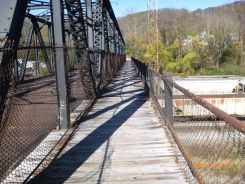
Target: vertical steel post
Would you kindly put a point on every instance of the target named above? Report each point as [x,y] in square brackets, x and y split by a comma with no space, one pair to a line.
[61,74]
[12,15]
[97,28]
[109,30]
[50,37]
[36,64]
[90,37]
[90,25]
[103,47]
[113,37]
[106,30]
[168,90]
[119,45]
[102,30]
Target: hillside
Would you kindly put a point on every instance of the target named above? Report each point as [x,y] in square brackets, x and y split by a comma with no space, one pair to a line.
[199,42]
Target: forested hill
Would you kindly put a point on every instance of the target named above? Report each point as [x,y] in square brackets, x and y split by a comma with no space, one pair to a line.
[209,41]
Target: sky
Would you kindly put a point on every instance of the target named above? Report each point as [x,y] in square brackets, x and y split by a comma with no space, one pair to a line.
[124,7]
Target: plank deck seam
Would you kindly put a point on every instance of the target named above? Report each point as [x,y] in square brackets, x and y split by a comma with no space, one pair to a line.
[120,141]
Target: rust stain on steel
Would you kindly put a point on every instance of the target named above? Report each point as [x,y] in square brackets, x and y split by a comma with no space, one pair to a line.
[240,126]
[230,106]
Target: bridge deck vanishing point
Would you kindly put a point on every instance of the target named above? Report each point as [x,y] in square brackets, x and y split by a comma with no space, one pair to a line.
[120,141]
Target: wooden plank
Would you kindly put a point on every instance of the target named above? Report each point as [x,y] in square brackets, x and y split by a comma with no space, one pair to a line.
[30,163]
[120,141]
[79,110]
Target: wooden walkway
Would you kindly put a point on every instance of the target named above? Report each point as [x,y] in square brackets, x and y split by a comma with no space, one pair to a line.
[120,141]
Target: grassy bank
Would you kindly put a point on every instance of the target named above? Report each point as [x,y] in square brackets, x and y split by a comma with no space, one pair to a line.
[228,69]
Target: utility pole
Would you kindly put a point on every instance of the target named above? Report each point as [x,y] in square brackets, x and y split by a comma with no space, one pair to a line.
[153,28]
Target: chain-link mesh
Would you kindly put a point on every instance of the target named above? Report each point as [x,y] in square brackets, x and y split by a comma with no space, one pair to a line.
[212,141]
[214,144]
[29,91]
[30,117]
[30,114]
[30,111]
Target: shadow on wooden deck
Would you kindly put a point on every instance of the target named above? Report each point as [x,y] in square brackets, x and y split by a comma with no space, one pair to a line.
[95,139]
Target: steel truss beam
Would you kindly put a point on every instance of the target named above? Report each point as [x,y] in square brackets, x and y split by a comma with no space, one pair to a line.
[97,23]
[78,30]
[106,30]
[37,31]
[93,27]
[41,19]
[34,28]
[107,5]
[21,67]
[98,35]
[61,71]
[12,33]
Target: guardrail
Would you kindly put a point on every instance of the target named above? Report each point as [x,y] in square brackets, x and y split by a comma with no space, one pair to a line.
[212,141]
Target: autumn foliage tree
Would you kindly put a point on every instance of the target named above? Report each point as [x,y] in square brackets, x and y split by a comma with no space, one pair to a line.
[190,43]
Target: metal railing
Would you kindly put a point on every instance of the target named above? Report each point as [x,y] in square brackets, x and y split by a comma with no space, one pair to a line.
[212,141]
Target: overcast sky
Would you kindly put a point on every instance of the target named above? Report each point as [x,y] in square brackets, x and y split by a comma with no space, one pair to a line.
[124,7]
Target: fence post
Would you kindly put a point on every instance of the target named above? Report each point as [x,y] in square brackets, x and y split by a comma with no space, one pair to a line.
[60,63]
[168,90]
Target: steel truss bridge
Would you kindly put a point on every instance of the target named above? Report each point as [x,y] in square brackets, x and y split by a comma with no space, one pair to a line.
[73,109]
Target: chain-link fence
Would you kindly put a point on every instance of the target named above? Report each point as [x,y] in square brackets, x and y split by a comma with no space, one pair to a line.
[30,113]
[56,57]
[212,142]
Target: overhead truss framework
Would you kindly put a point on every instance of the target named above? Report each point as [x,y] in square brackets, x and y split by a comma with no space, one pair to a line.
[91,24]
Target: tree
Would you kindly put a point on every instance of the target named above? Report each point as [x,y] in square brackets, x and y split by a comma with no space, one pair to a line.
[218,41]
[190,63]
[212,32]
